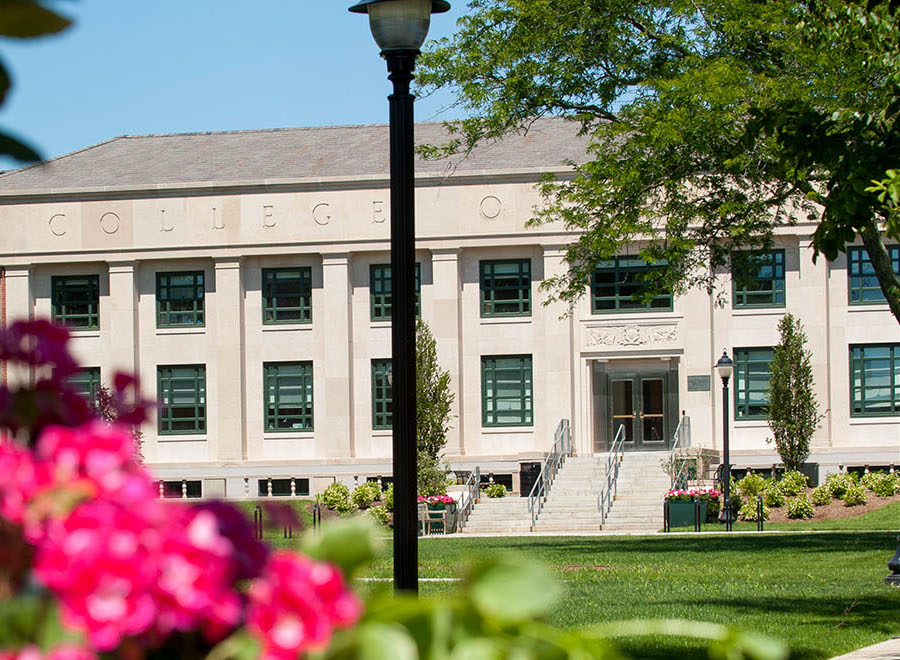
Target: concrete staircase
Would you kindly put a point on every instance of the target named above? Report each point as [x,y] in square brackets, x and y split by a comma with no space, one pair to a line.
[642,484]
[504,515]
[572,504]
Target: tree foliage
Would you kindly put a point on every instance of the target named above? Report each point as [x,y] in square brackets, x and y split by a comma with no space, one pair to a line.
[433,402]
[711,123]
[793,410]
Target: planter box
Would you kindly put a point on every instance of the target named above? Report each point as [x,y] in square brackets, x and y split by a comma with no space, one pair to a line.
[681,514]
[451,513]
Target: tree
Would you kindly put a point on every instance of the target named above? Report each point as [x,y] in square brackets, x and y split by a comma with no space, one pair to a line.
[433,402]
[710,124]
[793,411]
[107,406]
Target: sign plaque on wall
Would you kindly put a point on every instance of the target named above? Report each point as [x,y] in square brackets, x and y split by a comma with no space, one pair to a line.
[698,383]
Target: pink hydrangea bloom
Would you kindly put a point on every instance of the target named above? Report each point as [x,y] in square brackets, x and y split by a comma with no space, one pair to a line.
[18,480]
[296,604]
[66,652]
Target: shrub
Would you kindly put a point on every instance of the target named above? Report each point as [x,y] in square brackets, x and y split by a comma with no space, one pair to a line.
[838,483]
[431,476]
[821,496]
[793,482]
[868,480]
[337,497]
[379,513]
[752,485]
[748,511]
[364,495]
[884,485]
[854,495]
[495,490]
[387,498]
[800,507]
[774,497]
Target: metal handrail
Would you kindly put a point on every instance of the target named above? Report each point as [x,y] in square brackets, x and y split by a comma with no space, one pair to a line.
[608,494]
[562,447]
[680,440]
[468,497]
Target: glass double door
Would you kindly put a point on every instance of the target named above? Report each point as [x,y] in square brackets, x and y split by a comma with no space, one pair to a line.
[638,402]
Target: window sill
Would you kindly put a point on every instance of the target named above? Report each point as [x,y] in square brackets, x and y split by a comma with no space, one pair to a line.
[502,320]
[382,433]
[507,429]
[875,419]
[289,435]
[759,311]
[200,437]
[187,330]
[669,315]
[868,307]
[93,332]
[288,327]
[750,423]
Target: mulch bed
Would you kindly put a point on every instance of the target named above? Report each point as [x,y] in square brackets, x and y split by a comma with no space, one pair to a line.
[836,509]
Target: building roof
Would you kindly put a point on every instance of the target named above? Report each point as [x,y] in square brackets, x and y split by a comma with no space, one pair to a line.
[281,156]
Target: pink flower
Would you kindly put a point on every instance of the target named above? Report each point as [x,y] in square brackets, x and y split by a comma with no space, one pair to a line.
[38,343]
[18,480]
[249,554]
[65,652]
[296,604]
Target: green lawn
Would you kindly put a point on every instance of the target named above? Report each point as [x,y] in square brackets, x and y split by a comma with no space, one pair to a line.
[886,518]
[822,593]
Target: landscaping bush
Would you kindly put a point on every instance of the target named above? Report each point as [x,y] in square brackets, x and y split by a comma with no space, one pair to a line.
[365,494]
[838,483]
[793,483]
[387,498]
[854,495]
[821,496]
[748,511]
[883,485]
[337,497]
[868,480]
[379,513]
[752,485]
[800,507]
[774,497]
[495,490]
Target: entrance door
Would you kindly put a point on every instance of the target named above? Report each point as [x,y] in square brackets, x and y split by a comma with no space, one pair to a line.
[638,402]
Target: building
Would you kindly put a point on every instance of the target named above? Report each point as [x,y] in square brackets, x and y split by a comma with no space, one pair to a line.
[245,276]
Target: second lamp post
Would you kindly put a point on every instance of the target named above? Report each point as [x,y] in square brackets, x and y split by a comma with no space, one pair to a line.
[725,367]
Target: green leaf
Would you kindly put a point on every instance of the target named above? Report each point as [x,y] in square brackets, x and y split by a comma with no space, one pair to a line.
[15,148]
[512,590]
[348,543]
[481,648]
[378,641]
[23,19]
[240,646]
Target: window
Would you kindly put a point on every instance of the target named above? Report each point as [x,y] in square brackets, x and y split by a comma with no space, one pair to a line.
[875,380]
[86,382]
[289,396]
[179,299]
[506,390]
[76,300]
[758,279]
[506,288]
[751,382]
[863,285]
[287,295]
[382,402]
[282,487]
[182,489]
[380,291]
[619,284]
[182,399]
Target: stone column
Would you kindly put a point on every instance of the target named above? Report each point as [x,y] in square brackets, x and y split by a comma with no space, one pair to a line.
[445,327]
[225,399]
[118,320]
[335,371]
[553,364]
[19,307]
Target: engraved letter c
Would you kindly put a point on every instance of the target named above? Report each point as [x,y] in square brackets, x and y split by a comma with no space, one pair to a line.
[55,224]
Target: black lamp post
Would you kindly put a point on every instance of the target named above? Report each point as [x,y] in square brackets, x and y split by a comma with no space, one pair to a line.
[725,367]
[400,28]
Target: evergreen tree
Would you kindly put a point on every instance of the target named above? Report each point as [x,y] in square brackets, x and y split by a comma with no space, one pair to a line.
[793,410]
[433,402]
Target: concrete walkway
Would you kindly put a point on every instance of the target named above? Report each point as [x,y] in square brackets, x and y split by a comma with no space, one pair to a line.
[889,650]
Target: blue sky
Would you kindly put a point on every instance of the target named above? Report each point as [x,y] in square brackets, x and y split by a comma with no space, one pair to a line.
[171,66]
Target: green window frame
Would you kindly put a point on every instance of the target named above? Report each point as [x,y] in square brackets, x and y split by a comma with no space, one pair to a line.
[507,397]
[180,299]
[380,291]
[76,301]
[618,285]
[505,287]
[288,396]
[86,382]
[382,395]
[758,279]
[862,285]
[751,382]
[182,399]
[875,380]
[287,295]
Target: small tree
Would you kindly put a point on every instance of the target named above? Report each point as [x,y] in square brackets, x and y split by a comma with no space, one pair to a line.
[433,402]
[793,410]
[106,407]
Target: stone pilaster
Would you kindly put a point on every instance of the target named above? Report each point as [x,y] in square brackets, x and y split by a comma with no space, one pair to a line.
[19,307]
[445,327]
[225,323]
[118,321]
[335,370]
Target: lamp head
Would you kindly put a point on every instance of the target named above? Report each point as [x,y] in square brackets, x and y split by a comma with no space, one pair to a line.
[400,25]
[725,367]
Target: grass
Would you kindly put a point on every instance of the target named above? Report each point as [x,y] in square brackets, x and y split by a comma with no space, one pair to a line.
[886,518]
[821,593]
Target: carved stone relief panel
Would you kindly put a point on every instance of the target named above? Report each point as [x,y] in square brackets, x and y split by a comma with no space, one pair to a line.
[631,334]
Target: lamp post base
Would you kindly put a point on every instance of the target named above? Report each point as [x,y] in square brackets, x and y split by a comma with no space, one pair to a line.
[893,580]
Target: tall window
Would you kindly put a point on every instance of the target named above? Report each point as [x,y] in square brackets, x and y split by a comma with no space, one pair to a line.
[86,382]
[506,391]
[751,382]
[179,299]
[506,287]
[875,380]
[380,291]
[382,397]
[862,283]
[182,399]
[289,396]
[618,285]
[758,279]
[76,300]
[287,295]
